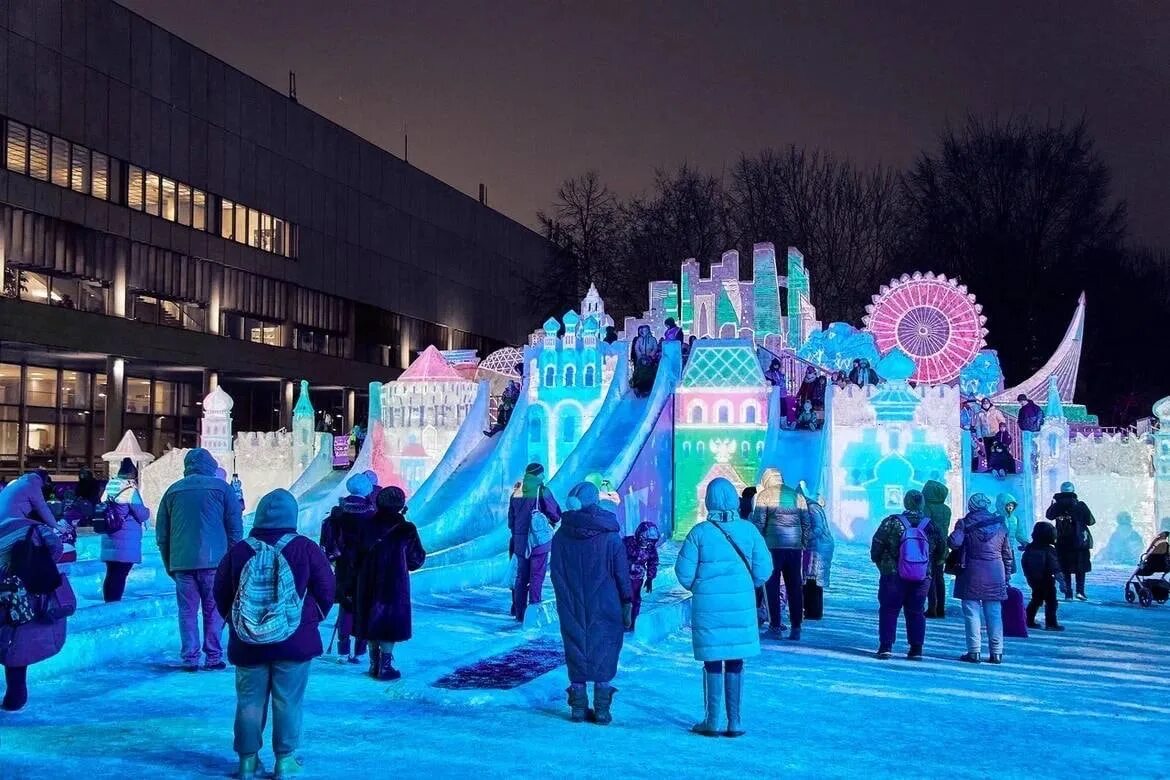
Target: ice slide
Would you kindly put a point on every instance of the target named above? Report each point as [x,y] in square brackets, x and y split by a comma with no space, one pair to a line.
[799,455]
[612,444]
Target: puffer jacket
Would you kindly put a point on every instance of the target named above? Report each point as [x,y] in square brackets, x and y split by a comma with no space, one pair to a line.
[40,639]
[25,497]
[591,577]
[199,517]
[642,551]
[781,514]
[1017,527]
[723,610]
[125,545]
[987,557]
[1040,561]
[820,555]
[934,495]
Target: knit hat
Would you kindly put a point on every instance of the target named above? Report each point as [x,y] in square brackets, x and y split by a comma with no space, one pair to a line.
[392,499]
[722,496]
[585,493]
[534,470]
[278,509]
[359,485]
[913,500]
[978,501]
[1067,487]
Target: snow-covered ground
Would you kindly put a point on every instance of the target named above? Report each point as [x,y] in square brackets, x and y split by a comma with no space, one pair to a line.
[1091,702]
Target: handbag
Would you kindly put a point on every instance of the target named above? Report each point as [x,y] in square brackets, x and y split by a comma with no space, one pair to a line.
[16,608]
[61,603]
[814,600]
[32,562]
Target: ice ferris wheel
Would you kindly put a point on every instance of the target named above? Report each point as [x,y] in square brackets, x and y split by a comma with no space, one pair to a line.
[933,319]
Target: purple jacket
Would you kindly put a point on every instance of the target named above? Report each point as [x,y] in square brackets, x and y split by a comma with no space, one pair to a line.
[642,552]
[987,556]
[314,581]
[32,642]
[520,519]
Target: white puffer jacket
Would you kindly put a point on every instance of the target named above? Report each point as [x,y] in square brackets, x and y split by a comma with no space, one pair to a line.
[723,612]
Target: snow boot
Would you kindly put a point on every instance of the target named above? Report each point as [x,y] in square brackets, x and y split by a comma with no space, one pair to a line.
[885,652]
[386,670]
[971,658]
[343,647]
[915,653]
[1033,624]
[602,700]
[16,694]
[1082,597]
[375,661]
[286,766]
[250,767]
[734,692]
[712,693]
[1053,627]
[996,658]
[578,702]
[794,635]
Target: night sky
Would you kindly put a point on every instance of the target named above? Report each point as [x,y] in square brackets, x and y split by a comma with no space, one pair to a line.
[521,95]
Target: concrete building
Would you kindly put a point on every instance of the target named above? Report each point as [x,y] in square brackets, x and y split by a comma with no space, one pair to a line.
[168,223]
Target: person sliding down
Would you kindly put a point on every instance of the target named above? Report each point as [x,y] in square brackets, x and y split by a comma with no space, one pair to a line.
[644,354]
[508,401]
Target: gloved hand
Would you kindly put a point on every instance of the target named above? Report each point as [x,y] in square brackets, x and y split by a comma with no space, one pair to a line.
[628,614]
[649,586]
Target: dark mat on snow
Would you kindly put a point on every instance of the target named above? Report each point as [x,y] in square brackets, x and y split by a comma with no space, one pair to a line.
[507,670]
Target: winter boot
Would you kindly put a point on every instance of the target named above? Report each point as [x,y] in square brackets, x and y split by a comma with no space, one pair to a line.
[578,702]
[1033,624]
[794,635]
[602,699]
[386,670]
[16,694]
[915,653]
[250,767]
[1053,627]
[733,692]
[375,661]
[343,647]
[996,658]
[286,766]
[712,693]
[885,652]
[971,658]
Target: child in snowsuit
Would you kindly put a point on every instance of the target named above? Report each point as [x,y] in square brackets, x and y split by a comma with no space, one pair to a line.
[1042,570]
[642,553]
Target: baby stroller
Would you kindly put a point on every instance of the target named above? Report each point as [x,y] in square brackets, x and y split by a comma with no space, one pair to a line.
[1142,586]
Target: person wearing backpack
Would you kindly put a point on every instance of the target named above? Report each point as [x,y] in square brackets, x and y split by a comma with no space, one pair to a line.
[390,551]
[533,515]
[126,516]
[273,589]
[198,520]
[903,549]
[1074,540]
[987,562]
[340,541]
[29,633]
[722,562]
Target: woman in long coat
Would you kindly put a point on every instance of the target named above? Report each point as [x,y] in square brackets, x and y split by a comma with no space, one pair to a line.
[722,562]
[591,577]
[123,548]
[987,563]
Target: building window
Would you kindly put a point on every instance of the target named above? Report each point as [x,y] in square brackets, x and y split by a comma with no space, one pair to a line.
[184,204]
[137,395]
[38,155]
[16,145]
[550,376]
[226,219]
[41,387]
[569,426]
[199,214]
[590,374]
[60,162]
[535,426]
[75,390]
[134,188]
[153,196]
[100,176]
[79,177]
[570,376]
[723,413]
[697,414]
[168,199]
[255,228]
[243,328]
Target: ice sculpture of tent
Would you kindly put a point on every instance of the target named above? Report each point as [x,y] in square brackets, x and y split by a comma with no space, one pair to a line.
[127,448]
[1063,365]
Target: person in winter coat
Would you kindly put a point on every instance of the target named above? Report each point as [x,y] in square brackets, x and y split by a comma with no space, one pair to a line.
[896,594]
[198,520]
[775,374]
[1007,507]
[644,355]
[89,489]
[123,548]
[39,639]
[642,554]
[1042,569]
[781,515]
[1074,540]
[591,577]
[987,421]
[808,419]
[278,671]
[747,505]
[1031,416]
[722,562]
[339,539]
[25,497]
[819,555]
[390,551]
[934,495]
[530,563]
[988,563]
[812,388]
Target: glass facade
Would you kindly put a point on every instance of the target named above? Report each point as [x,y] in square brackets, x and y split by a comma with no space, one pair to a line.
[35,153]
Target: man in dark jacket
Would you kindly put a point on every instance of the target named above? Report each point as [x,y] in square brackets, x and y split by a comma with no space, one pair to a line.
[277,671]
[1031,416]
[198,519]
[389,551]
[1042,570]
[895,594]
[339,539]
[1074,540]
[591,576]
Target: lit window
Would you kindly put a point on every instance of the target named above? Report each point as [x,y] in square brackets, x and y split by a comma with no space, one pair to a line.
[226,219]
[134,190]
[724,413]
[266,238]
[570,376]
[749,415]
[79,180]
[153,198]
[241,233]
[17,146]
[101,176]
[253,228]
[184,214]
[38,155]
[278,244]
[60,162]
[169,199]
[199,214]
[289,235]
[697,413]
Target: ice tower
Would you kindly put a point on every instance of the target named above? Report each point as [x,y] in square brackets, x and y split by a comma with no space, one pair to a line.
[216,429]
[303,425]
